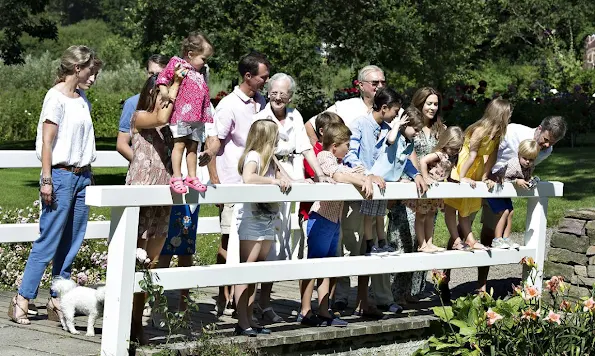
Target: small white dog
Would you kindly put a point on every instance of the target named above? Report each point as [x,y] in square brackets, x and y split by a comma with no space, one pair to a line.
[80,299]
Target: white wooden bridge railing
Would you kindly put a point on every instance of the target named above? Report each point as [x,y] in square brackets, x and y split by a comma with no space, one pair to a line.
[124,201]
[123,281]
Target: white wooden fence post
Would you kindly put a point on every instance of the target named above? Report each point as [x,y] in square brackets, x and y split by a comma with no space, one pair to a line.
[121,257]
[535,235]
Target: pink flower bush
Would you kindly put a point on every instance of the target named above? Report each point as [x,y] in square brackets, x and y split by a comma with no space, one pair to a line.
[553,317]
[493,317]
[529,315]
[553,284]
[531,292]
[589,305]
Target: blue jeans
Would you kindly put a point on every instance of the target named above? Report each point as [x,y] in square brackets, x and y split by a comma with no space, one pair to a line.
[323,236]
[62,228]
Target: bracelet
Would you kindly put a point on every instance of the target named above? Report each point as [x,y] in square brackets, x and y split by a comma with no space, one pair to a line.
[45,181]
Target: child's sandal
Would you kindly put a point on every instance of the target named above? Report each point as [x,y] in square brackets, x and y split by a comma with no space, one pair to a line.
[177,185]
[461,246]
[194,183]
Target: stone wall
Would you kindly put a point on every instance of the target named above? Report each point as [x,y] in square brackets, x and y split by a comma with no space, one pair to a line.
[572,251]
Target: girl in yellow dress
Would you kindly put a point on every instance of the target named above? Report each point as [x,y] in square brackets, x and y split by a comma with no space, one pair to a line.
[481,139]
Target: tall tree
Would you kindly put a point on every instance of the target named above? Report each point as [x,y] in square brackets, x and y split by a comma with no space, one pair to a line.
[18,17]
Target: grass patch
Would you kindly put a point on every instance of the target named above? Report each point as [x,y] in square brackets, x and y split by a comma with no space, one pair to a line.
[572,166]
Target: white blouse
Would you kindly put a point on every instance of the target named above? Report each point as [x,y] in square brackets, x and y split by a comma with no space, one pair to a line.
[292,133]
[74,144]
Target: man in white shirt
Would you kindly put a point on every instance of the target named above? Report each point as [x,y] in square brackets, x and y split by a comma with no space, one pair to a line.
[547,134]
[370,78]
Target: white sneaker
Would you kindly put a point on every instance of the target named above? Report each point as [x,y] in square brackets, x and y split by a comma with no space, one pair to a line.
[510,243]
[499,242]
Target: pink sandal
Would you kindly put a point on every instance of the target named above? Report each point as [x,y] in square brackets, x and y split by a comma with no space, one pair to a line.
[177,185]
[194,183]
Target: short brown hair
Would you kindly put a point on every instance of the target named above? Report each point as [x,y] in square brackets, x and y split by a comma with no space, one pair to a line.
[415,118]
[529,149]
[326,118]
[195,42]
[556,125]
[335,134]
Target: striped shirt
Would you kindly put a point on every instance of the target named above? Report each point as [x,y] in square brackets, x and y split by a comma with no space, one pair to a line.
[332,210]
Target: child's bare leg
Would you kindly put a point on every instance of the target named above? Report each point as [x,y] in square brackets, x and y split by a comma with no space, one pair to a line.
[420,232]
[176,157]
[508,229]
[499,231]
[429,229]
[306,290]
[192,156]
[450,218]
[184,261]
[467,232]
[323,297]
[368,233]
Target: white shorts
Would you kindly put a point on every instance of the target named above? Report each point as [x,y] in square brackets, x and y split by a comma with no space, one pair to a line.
[196,130]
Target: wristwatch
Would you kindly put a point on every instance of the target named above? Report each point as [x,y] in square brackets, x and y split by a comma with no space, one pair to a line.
[45,181]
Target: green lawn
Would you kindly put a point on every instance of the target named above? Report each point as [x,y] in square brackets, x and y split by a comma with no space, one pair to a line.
[572,166]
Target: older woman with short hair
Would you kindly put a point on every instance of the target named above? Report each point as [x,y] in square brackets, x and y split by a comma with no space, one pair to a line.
[293,144]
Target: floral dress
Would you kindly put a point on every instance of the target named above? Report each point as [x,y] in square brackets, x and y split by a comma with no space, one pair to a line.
[151,165]
[401,230]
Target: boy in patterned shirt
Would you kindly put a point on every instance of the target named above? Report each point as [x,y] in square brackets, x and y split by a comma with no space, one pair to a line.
[324,221]
[517,170]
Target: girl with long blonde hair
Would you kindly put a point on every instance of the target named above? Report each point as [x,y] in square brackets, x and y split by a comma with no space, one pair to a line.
[436,167]
[256,221]
[481,139]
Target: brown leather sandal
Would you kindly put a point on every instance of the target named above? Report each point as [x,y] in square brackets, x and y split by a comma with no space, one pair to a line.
[53,311]
[12,313]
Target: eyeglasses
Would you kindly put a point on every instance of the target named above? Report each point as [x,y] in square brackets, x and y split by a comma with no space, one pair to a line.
[375,83]
[274,94]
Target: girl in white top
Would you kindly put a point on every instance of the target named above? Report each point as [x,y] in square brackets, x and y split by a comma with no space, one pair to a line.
[65,145]
[256,221]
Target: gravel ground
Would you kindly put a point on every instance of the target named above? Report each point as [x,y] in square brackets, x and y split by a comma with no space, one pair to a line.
[463,281]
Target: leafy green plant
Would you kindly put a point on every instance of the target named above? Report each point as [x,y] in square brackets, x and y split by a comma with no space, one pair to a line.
[521,324]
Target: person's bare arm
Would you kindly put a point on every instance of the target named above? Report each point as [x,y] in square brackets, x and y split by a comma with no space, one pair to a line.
[311,133]
[475,142]
[49,132]
[424,163]
[123,145]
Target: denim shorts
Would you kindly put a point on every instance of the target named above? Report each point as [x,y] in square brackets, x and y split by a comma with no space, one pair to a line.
[323,236]
[257,228]
[498,205]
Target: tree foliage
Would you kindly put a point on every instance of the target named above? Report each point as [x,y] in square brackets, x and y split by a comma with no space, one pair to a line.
[18,17]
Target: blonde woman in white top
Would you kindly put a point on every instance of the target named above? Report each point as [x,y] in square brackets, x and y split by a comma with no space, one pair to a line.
[65,145]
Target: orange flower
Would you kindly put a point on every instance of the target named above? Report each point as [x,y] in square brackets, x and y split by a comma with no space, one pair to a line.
[517,290]
[438,277]
[493,317]
[529,315]
[553,317]
[530,293]
[589,305]
[554,284]
[529,261]
[565,306]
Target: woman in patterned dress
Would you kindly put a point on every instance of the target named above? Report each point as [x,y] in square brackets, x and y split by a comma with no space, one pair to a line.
[152,144]
[401,216]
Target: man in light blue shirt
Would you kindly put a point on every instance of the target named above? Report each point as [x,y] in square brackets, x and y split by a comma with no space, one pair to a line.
[155,65]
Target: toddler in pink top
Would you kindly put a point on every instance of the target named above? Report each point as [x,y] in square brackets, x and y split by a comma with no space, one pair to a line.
[192,109]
